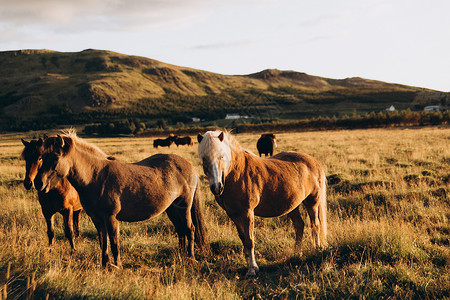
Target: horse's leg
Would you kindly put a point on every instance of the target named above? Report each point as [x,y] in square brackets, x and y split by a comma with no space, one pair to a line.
[299,225]
[103,239]
[68,225]
[180,215]
[76,222]
[312,207]
[112,225]
[175,218]
[245,226]
[190,231]
[50,228]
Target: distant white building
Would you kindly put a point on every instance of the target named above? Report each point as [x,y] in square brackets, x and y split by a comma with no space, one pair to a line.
[194,119]
[390,108]
[235,116]
[432,108]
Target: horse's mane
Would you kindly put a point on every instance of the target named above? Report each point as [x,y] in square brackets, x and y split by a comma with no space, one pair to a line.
[82,144]
[210,142]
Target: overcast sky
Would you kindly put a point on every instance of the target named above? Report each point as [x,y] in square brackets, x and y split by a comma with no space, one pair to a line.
[398,41]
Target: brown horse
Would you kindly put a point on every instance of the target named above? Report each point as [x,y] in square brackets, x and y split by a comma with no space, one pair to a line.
[187,140]
[266,144]
[62,198]
[246,185]
[165,142]
[111,191]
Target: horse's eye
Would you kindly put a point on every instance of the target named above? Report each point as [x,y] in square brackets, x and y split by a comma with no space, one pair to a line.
[40,158]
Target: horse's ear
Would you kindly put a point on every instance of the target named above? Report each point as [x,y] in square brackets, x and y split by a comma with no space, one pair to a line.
[221,136]
[45,136]
[40,142]
[25,143]
[199,138]
[60,141]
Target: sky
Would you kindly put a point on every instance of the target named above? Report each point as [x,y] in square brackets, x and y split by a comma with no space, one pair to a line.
[397,41]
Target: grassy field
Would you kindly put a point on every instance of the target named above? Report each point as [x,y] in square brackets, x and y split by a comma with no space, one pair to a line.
[388,221]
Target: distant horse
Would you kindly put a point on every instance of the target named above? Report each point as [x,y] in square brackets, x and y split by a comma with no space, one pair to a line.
[111,191]
[266,144]
[187,140]
[164,142]
[246,185]
[62,198]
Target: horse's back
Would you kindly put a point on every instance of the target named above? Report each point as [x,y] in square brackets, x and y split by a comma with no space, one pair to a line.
[166,161]
[298,158]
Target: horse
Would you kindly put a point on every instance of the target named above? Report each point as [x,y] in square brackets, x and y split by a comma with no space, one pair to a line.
[62,198]
[266,144]
[112,191]
[164,142]
[187,140]
[245,186]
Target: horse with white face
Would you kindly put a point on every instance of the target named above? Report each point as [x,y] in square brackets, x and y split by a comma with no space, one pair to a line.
[246,185]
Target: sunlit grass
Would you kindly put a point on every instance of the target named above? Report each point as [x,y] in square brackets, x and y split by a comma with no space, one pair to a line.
[388,223]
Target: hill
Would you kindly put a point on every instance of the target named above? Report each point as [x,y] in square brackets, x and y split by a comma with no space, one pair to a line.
[79,87]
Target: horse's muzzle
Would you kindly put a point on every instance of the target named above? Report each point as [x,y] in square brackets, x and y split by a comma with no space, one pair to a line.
[216,189]
[27,183]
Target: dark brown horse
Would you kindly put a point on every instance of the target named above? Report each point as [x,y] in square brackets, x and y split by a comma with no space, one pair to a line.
[62,198]
[165,142]
[112,191]
[187,140]
[246,185]
[266,144]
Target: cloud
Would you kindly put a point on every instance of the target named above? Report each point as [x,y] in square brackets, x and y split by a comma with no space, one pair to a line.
[78,15]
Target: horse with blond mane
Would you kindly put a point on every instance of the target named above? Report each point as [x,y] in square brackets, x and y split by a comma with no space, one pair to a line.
[246,185]
[112,191]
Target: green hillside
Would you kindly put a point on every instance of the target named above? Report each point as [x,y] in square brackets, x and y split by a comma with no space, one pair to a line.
[42,86]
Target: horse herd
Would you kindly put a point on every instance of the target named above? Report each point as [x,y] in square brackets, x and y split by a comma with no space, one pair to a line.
[71,174]
[187,140]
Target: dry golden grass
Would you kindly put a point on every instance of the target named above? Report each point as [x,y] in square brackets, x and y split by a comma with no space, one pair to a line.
[389,210]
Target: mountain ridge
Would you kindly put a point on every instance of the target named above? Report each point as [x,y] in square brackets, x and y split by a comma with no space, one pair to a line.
[46,82]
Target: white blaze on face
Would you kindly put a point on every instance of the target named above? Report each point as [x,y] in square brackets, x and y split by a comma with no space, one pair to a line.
[214,177]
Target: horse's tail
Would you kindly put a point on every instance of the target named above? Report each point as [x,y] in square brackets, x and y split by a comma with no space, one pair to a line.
[201,233]
[323,208]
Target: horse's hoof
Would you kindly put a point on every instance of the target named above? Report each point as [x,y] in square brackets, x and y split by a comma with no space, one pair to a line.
[251,273]
[113,266]
[192,260]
